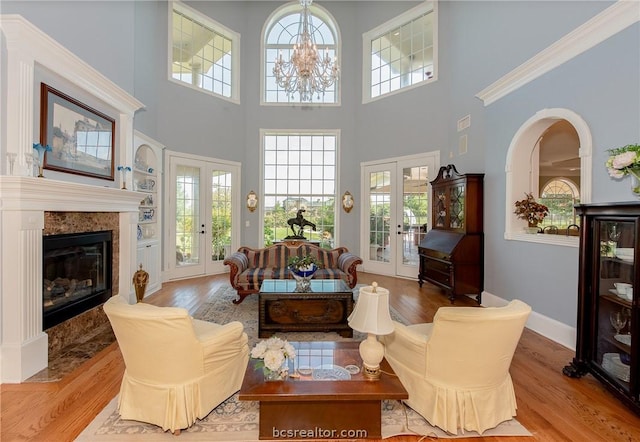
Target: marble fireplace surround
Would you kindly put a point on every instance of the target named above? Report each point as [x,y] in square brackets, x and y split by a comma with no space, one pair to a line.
[25,201]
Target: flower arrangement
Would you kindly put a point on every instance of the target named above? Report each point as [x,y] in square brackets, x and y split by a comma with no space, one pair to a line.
[530,210]
[303,263]
[624,161]
[273,352]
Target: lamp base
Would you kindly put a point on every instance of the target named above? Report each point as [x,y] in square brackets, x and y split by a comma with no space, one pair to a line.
[371,352]
[371,373]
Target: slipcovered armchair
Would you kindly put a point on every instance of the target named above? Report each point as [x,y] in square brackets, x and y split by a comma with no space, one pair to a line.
[456,369]
[177,368]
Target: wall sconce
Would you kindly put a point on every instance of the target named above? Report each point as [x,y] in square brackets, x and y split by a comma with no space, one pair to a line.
[347,201]
[252,201]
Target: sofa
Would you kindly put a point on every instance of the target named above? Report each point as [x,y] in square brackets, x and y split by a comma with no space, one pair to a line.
[249,267]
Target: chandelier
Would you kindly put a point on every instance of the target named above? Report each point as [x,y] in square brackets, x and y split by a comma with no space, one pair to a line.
[307,72]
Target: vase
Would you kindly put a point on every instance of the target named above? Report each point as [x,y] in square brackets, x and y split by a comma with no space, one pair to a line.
[303,278]
[533,228]
[140,281]
[276,375]
[635,182]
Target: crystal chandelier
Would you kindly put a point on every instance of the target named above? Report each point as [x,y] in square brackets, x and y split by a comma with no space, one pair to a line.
[307,72]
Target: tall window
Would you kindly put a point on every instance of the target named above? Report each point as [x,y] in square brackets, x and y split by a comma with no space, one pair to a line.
[401,53]
[300,174]
[204,54]
[280,35]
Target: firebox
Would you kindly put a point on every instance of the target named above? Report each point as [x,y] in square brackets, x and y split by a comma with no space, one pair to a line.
[76,274]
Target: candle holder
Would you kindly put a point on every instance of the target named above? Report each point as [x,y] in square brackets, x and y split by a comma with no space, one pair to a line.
[28,159]
[11,159]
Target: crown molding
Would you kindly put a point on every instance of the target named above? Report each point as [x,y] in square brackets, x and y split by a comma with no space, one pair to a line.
[21,35]
[609,22]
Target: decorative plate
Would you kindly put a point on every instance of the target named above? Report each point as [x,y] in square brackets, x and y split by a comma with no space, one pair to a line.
[625,339]
[331,373]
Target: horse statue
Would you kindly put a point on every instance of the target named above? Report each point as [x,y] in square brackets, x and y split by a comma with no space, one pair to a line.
[301,223]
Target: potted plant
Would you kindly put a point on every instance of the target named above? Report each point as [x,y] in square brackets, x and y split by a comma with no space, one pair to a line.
[531,211]
[304,266]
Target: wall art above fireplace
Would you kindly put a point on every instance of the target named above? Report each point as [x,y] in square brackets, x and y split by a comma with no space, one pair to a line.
[81,138]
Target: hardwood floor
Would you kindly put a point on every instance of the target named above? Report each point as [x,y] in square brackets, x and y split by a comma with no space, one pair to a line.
[550,405]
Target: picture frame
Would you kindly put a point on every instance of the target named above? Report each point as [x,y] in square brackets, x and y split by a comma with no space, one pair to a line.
[81,138]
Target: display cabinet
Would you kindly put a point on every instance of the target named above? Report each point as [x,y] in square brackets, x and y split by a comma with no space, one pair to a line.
[607,343]
[452,252]
[147,180]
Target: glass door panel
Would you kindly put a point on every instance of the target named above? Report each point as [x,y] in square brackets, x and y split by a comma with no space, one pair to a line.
[415,211]
[613,314]
[221,216]
[380,216]
[188,224]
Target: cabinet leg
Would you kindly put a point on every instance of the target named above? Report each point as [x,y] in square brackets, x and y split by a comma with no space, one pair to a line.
[575,369]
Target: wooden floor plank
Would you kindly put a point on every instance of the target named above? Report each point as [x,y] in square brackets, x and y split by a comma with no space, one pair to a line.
[550,405]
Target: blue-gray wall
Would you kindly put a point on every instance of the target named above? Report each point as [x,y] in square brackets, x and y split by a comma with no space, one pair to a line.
[479,41]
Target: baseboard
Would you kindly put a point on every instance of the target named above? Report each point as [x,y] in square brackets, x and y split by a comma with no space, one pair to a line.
[543,325]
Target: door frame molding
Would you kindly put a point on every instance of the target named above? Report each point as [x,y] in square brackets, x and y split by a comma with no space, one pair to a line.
[169,202]
[364,206]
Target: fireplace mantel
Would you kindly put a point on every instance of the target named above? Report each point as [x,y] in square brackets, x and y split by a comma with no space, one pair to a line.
[23,203]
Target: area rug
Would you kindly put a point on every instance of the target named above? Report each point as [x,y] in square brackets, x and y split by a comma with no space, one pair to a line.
[236,420]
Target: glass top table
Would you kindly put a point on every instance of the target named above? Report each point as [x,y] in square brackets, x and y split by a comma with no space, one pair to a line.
[300,403]
[324,308]
[317,286]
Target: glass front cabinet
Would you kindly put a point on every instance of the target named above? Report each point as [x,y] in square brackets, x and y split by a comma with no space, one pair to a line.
[608,344]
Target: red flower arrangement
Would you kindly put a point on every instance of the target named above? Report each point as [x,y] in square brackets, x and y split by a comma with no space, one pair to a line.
[530,210]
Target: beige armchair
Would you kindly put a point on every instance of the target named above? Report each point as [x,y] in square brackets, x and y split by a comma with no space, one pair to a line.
[177,368]
[456,369]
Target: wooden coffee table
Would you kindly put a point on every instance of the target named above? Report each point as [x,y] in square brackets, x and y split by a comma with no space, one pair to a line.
[315,406]
[325,308]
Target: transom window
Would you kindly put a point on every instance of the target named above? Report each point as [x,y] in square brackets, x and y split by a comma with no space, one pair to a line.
[299,171]
[204,54]
[279,37]
[401,53]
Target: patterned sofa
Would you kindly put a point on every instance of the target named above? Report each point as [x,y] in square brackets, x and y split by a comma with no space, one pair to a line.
[249,267]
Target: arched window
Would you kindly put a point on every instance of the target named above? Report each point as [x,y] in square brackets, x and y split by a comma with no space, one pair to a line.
[279,35]
[559,195]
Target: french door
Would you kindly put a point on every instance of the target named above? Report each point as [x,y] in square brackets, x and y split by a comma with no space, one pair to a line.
[395,212]
[203,207]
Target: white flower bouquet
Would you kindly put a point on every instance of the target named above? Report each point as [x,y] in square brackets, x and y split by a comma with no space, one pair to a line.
[623,161]
[274,352]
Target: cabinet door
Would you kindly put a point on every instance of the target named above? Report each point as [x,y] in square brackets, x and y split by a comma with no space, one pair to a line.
[614,316]
[149,256]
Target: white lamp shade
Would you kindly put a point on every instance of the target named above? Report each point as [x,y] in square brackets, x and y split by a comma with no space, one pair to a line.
[371,313]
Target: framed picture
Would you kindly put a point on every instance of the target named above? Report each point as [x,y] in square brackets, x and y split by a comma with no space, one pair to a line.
[81,138]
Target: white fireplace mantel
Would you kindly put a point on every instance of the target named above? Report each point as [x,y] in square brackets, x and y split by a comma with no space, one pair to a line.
[27,52]
[23,203]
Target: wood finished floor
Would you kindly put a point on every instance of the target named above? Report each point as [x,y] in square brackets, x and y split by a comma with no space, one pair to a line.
[550,405]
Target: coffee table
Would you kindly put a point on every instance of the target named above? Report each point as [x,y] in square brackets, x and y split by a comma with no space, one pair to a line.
[316,405]
[325,308]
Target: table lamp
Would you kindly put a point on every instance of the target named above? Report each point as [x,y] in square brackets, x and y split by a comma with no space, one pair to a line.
[371,315]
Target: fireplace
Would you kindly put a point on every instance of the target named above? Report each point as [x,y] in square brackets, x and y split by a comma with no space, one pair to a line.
[77,274]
